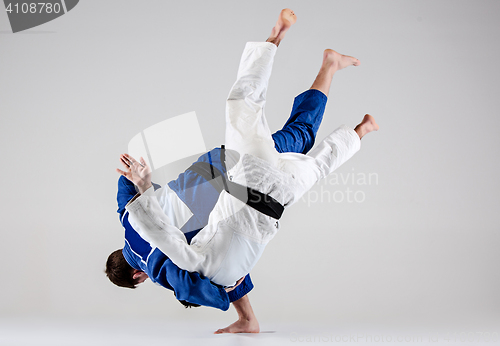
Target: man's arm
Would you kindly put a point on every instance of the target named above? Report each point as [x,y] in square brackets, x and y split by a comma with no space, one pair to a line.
[153,225]
[149,220]
[193,288]
[126,191]
[187,286]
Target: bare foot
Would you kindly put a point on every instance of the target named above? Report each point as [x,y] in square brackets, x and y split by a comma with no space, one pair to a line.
[241,326]
[286,19]
[367,125]
[338,61]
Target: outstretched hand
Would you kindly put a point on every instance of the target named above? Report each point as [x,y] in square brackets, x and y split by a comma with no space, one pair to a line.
[137,172]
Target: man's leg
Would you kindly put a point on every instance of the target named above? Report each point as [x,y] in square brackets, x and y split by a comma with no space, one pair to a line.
[299,132]
[332,62]
[366,126]
[330,154]
[246,323]
[285,20]
[247,131]
[336,148]
[236,131]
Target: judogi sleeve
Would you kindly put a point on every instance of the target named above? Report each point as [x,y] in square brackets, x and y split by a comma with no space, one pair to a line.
[157,229]
[193,288]
[187,286]
[126,191]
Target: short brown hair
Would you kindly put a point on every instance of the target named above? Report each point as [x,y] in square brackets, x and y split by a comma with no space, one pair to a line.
[188,304]
[121,274]
[119,271]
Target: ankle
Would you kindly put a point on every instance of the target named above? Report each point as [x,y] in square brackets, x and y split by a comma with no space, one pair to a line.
[329,68]
[360,130]
[275,40]
[245,318]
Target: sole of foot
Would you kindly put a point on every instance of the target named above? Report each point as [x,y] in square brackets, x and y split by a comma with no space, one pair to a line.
[285,20]
[369,123]
[338,60]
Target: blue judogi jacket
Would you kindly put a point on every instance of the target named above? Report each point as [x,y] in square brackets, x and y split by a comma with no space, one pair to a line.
[298,135]
[187,286]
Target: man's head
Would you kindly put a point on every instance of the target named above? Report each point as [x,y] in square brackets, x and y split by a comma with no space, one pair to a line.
[121,273]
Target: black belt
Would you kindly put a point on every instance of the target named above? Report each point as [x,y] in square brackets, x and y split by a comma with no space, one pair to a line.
[253,198]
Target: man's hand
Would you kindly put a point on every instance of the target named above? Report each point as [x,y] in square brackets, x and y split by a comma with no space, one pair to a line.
[137,172]
[229,289]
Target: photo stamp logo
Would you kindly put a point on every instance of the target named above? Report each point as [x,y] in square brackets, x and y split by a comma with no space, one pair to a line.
[169,141]
[26,14]
[172,146]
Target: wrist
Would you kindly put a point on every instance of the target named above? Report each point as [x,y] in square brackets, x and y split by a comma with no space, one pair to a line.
[144,186]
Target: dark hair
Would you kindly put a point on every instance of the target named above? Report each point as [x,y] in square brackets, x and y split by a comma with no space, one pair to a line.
[188,304]
[121,274]
[119,271]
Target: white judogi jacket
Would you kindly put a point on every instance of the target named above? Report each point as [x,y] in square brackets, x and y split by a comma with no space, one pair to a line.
[236,234]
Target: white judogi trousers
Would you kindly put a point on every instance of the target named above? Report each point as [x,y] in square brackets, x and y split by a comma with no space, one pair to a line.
[236,235]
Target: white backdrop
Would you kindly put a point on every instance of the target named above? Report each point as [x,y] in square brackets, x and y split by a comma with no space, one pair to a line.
[416,245]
